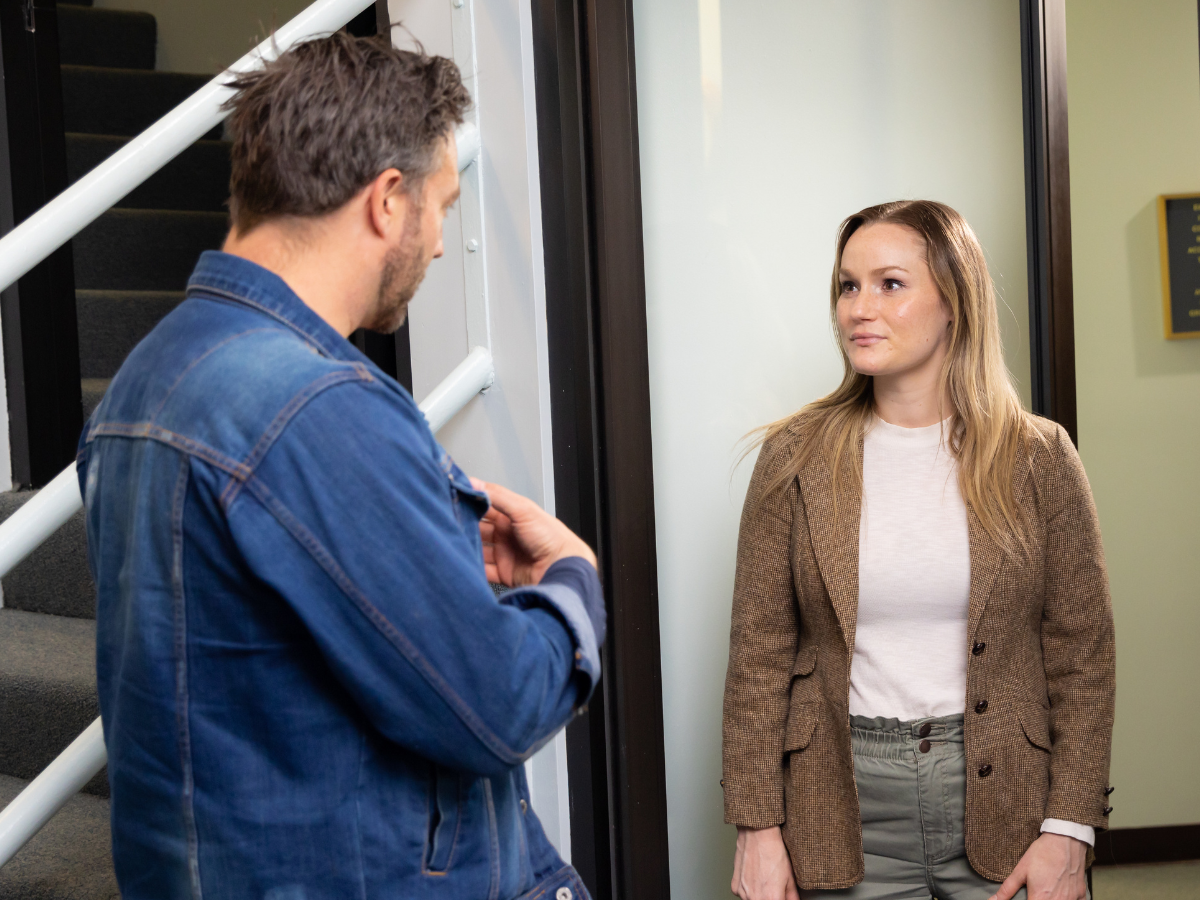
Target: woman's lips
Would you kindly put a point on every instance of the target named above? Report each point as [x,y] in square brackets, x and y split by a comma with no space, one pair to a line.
[865,340]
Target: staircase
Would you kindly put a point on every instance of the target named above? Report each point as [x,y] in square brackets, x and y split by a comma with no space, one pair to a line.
[132,263]
[130,267]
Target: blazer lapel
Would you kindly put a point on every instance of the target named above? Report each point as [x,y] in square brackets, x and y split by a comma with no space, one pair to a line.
[835,539]
[986,558]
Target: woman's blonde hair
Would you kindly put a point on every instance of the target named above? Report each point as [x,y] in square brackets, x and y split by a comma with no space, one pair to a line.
[987,423]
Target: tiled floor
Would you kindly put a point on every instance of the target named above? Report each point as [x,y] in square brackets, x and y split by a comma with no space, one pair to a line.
[1166,881]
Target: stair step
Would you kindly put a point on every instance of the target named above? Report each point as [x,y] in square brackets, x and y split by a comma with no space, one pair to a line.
[144,249]
[197,179]
[55,578]
[116,38]
[92,390]
[47,690]
[112,322]
[69,859]
[98,100]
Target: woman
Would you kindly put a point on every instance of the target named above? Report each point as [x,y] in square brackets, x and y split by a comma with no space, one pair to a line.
[920,690]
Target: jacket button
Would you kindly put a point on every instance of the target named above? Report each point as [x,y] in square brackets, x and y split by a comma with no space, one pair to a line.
[563,893]
[978,647]
[1107,810]
[985,770]
[925,729]
[524,807]
[1108,790]
[981,707]
[924,746]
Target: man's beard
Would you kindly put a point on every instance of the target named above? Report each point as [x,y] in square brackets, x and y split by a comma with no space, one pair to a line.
[403,271]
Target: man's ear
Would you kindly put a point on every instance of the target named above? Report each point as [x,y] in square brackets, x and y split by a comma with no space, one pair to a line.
[387,202]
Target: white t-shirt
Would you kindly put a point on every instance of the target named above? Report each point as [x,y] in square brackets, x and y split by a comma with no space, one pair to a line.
[914,578]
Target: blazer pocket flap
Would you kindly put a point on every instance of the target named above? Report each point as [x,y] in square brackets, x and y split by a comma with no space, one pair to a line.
[1035,723]
[801,723]
[806,661]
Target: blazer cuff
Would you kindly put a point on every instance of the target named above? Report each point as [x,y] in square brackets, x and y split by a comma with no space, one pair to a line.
[1085,833]
[752,808]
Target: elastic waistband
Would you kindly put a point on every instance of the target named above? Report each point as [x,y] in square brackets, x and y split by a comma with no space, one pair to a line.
[887,737]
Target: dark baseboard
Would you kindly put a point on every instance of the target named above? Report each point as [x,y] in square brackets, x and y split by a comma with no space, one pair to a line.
[1163,843]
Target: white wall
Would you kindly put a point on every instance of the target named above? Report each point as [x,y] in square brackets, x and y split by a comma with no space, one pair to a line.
[762,125]
[1134,99]
[503,435]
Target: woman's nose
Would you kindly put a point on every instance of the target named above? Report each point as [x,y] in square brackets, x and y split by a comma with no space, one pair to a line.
[862,306]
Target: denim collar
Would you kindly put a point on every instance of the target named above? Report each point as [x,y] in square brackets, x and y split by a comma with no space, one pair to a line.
[238,280]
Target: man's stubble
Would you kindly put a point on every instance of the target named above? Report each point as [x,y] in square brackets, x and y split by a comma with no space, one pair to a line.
[403,271]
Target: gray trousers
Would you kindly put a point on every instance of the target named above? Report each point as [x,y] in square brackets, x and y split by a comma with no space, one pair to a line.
[912,789]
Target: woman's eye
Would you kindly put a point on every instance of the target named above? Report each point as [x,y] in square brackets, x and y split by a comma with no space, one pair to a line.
[847,287]
[891,284]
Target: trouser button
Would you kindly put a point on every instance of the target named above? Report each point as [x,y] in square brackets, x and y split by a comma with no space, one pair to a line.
[924,746]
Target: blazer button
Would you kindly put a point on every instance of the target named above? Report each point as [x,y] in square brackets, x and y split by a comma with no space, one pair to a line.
[1107,810]
[1108,790]
[981,707]
[978,647]
[985,770]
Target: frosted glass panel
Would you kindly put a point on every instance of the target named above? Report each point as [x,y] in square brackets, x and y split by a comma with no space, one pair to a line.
[762,125]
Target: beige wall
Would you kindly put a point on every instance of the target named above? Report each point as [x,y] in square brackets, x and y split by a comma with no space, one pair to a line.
[207,35]
[1134,96]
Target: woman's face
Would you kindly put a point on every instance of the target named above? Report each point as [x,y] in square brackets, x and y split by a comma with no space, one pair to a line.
[891,317]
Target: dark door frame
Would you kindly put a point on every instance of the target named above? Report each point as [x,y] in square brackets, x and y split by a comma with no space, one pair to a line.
[599,376]
[41,340]
[600,410]
[1048,211]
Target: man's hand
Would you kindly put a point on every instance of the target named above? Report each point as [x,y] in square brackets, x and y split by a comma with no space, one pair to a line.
[762,869]
[521,540]
[1053,868]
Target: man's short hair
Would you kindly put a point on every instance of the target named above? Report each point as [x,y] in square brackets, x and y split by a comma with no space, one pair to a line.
[316,125]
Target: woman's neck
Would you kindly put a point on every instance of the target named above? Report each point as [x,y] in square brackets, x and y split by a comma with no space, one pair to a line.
[910,402]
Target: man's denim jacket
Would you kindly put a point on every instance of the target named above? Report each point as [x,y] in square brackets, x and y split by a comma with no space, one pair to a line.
[309,689]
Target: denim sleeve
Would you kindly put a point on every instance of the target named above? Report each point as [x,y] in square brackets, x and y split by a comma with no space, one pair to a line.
[350,517]
[572,589]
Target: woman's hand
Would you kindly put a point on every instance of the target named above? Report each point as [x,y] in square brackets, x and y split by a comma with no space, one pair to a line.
[1053,868]
[762,869]
[521,540]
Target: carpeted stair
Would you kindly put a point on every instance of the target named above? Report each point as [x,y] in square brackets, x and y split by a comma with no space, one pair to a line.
[131,266]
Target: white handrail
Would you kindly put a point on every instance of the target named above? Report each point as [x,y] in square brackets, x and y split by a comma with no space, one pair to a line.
[48,793]
[75,766]
[474,374]
[84,201]
[41,516]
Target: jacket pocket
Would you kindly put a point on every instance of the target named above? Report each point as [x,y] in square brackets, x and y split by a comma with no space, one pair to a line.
[806,661]
[801,723]
[1036,725]
[445,814]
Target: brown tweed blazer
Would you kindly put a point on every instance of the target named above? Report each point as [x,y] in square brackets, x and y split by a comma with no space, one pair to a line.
[1041,626]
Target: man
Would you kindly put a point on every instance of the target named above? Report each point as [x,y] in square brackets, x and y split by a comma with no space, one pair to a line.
[308,688]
